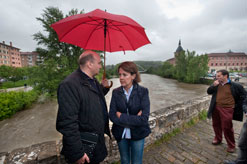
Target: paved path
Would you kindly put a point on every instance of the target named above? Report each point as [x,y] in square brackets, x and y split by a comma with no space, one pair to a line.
[192,146]
[25,89]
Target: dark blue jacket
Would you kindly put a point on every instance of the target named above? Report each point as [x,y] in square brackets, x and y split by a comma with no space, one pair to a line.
[138,100]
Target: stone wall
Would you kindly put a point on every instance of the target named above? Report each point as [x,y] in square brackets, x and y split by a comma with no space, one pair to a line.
[161,122]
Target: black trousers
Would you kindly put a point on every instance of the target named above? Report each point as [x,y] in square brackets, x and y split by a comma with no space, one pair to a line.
[242,144]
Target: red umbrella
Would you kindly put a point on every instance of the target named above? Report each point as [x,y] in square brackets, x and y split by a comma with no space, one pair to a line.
[100,30]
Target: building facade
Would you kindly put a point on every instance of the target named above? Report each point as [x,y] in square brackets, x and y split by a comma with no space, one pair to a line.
[9,55]
[29,59]
[231,61]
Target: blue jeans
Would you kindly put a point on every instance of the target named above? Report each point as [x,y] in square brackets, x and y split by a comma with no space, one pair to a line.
[131,151]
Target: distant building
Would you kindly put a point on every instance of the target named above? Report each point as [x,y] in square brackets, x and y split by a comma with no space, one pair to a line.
[176,53]
[9,55]
[231,61]
[29,59]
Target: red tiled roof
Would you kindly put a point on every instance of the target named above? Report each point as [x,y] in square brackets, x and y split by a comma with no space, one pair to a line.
[170,59]
[231,54]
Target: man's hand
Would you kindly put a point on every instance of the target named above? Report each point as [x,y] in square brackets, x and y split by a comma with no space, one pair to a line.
[118,114]
[105,83]
[83,159]
[216,82]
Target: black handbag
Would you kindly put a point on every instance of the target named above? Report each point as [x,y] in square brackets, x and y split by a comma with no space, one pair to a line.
[89,142]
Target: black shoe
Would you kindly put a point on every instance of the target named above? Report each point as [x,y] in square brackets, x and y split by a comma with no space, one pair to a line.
[230,162]
[235,162]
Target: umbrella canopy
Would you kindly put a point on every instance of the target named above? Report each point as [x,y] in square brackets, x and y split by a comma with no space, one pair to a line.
[100,30]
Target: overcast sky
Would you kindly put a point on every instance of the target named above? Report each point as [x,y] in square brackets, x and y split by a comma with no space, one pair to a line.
[204,26]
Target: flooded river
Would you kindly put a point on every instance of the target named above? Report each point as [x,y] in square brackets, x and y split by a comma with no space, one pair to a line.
[37,124]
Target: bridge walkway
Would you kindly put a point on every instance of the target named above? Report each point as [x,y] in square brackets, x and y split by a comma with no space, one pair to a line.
[192,146]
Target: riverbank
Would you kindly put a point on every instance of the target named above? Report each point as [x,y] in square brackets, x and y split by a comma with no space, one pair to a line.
[37,124]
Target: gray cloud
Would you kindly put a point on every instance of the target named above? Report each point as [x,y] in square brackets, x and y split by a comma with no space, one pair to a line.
[220,25]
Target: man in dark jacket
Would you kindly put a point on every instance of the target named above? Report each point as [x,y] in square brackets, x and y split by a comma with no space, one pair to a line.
[227,103]
[242,144]
[83,112]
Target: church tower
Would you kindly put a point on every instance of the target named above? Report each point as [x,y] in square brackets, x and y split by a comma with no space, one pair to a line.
[179,49]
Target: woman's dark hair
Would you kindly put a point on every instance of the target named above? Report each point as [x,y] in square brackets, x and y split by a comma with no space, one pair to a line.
[132,69]
[224,72]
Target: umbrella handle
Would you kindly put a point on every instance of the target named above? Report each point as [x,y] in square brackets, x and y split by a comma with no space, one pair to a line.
[109,86]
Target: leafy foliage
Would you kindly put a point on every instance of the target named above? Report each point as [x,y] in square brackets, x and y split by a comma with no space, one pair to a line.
[59,59]
[189,68]
[12,102]
[10,84]
[12,73]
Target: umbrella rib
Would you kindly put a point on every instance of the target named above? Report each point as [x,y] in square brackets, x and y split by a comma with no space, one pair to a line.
[68,31]
[125,37]
[97,25]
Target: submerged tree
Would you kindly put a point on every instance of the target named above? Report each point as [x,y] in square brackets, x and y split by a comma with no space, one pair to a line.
[191,67]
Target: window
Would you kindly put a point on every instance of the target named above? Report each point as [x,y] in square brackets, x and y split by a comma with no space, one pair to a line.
[237,63]
[212,64]
[216,64]
[220,64]
[224,63]
[232,63]
[241,63]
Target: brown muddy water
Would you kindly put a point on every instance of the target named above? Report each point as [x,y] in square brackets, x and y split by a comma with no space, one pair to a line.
[37,124]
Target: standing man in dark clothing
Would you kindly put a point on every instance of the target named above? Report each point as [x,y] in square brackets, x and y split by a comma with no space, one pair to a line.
[242,144]
[82,112]
[228,102]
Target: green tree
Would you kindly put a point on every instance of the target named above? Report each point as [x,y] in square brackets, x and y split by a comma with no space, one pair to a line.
[58,59]
[191,67]
[201,65]
[5,71]
[168,70]
[181,66]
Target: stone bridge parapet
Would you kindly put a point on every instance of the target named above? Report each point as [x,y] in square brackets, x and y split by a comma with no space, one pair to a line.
[161,122]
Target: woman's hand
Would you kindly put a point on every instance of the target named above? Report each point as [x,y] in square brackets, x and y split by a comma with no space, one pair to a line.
[139,113]
[83,159]
[118,114]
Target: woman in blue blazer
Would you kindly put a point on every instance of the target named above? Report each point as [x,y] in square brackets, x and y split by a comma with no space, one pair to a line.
[129,112]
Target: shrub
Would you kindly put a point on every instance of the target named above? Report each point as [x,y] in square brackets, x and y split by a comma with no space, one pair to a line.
[12,102]
[11,84]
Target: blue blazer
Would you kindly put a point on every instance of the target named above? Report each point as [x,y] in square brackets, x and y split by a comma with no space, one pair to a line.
[138,100]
